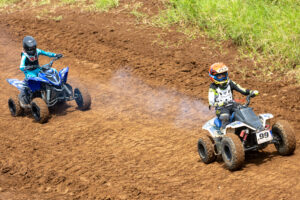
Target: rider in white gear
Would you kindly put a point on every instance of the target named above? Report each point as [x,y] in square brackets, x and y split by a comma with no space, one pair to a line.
[221,92]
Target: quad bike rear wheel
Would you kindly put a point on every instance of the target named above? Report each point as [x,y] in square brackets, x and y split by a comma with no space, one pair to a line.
[82,98]
[14,106]
[284,134]
[40,110]
[232,151]
[206,149]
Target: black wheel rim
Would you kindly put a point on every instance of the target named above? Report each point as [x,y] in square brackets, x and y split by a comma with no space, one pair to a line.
[78,98]
[12,107]
[35,112]
[201,150]
[227,152]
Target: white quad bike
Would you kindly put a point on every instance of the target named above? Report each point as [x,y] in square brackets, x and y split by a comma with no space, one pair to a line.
[245,132]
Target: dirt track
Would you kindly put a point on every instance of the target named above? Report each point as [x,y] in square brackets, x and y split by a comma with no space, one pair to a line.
[149,101]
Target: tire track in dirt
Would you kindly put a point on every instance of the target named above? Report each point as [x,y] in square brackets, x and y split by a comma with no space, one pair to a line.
[137,142]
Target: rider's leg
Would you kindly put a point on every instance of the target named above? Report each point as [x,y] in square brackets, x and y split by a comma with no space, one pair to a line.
[24,95]
[224,117]
[223,114]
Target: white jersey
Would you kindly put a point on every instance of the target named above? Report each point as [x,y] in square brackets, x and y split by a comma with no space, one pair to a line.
[224,95]
[217,95]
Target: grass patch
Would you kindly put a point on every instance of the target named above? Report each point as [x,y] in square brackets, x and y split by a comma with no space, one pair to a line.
[68,1]
[7,2]
[269,28]
[105,5]
[43,2]
[140,16]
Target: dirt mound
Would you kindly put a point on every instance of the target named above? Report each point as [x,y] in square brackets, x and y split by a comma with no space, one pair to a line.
[149,92]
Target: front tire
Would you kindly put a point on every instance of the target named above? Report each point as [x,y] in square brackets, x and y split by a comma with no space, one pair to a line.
[284,134]
[40,110]
[82,98]
[206,149]
[232,151]
[14,106]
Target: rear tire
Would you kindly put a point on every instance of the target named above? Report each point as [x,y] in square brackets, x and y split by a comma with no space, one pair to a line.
[232,151]
[40,110]
[206,149]
[82,98]
[284,133]
[14,106]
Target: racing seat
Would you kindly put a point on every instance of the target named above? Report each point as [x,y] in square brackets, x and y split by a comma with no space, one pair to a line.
[218,122]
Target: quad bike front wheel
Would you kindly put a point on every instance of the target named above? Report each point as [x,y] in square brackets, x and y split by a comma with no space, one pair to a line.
[14,106]
[284,136]
[40,110]
[206,149]
[82,98]
[232,151]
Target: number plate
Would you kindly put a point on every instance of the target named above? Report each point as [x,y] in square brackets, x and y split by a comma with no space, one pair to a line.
[264,136]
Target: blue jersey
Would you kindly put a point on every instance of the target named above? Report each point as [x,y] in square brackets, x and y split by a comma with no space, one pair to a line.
[33,60]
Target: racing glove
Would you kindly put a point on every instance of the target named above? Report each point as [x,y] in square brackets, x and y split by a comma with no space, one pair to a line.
[219,104]
[58,55]
[254,92]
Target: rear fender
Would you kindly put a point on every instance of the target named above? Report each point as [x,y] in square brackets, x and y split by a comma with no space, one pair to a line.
[211,128]
[17,83]
[64,74]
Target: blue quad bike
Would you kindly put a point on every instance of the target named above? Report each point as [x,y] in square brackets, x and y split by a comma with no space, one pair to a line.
[245,132]
[46,90]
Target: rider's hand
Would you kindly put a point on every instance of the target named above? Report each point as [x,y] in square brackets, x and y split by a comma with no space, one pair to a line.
[220,104]
[58,55]
[47,66]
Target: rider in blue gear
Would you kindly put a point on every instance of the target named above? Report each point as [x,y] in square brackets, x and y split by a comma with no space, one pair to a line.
[30,64]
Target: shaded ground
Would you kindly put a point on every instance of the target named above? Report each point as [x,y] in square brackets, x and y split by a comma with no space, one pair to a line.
[149,91]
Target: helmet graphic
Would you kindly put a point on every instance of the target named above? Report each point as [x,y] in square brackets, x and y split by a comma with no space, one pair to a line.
[218,73]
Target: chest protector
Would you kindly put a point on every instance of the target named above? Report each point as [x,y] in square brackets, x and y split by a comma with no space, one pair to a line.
[224,95]
[33,60]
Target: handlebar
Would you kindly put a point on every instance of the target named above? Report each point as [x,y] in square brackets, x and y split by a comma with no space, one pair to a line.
[235,104]
[248,98]
[49,65]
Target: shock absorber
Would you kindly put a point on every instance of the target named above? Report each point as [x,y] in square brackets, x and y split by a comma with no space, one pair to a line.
[67,89]
[244,134]
[48,95]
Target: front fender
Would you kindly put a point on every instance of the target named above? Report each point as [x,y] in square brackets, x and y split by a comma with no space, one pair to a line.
[238,124]
[264,117]
[64,74]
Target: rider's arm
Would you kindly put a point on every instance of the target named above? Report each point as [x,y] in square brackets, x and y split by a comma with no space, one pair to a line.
[22,65]
[212,96]
[45,53]
[237,87]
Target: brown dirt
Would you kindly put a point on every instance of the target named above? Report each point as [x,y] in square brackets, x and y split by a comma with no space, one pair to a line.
[149,100]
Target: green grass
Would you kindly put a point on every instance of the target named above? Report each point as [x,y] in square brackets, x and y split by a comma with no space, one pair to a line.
[269,28]
[68,1]
[7,2]
[105,5]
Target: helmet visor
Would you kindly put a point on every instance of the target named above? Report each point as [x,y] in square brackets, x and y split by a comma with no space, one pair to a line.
[31,50]
[222,76]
